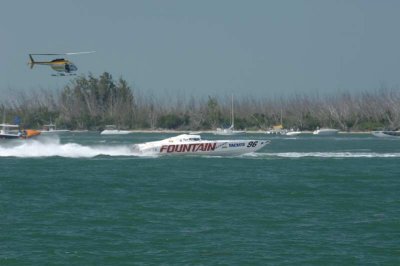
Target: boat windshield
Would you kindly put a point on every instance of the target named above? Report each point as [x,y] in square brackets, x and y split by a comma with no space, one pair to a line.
[186,138]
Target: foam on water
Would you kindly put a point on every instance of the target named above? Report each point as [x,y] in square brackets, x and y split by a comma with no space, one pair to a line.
[327,155]
[51,147]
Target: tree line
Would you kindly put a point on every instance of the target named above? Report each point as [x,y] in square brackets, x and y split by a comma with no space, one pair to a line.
[90,102]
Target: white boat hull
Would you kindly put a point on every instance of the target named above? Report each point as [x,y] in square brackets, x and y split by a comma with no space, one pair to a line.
[202,147]
[293,133]
[326,132]
[386,134]
[114,132]
[227,132]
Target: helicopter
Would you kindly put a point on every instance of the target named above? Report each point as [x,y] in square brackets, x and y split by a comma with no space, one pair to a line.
[62,66]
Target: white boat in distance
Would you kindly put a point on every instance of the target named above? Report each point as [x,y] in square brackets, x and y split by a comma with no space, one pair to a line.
[112,130]
[186,144]
[293,133]
[51,128]
[283,132]
[326,132]
[386,134]
[230,130]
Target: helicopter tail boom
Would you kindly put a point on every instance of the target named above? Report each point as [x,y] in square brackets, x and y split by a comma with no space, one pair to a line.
[31,62]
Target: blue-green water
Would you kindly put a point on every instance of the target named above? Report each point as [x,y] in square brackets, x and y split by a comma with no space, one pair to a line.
[84,199]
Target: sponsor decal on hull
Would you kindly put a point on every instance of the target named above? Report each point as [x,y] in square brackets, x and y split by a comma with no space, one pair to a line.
[195,147]
[235,145]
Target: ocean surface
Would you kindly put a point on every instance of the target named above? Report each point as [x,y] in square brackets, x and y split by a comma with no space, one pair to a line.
[86,199]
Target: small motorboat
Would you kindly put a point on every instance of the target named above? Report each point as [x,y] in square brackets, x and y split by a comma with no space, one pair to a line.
[386,134]
[228,131]
[326,132]
[186,144]
[51,128]
[277,130]
[9,131]
[284,132]
[293,133]
[112,130]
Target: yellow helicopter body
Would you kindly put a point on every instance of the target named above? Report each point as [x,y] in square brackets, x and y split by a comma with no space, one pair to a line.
[62,66]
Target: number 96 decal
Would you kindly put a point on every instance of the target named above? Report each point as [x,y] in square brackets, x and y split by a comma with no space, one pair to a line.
[252,144]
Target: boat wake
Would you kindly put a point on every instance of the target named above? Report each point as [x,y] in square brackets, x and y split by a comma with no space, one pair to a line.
[53,148]
[326,155]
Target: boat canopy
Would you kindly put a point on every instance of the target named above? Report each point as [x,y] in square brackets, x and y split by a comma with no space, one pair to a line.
[9,125]
[110,127]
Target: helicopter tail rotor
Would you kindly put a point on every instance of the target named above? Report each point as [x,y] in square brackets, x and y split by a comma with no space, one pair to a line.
[31,63]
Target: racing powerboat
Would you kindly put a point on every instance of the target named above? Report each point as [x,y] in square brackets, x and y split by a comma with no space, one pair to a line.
[187,144]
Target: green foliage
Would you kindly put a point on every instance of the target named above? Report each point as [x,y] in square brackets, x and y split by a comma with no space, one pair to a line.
[310,122]
[90,102]
[371,125]
[93,102]
[213,118]
[173,121]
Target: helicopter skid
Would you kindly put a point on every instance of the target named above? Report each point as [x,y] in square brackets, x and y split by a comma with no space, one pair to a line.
[62,75]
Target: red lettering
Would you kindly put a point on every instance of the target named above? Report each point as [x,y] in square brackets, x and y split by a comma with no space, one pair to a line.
[171,148]
[179,148]
[200,147]
[194,146]
[211,146]
[190,146]
[163,147]
[185,148]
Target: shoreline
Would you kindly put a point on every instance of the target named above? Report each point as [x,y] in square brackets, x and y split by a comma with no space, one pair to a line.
[171,131]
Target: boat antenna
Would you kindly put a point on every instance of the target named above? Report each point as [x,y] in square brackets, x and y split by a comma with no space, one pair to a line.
[4,114]
[233,119]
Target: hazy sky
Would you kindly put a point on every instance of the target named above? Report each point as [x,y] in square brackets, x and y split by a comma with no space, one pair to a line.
[208,47]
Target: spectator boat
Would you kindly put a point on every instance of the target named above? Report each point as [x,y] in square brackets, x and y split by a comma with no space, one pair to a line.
[9,131]
[112,130]
[51,128]
[386,134]
[326,132]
